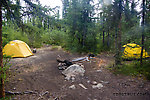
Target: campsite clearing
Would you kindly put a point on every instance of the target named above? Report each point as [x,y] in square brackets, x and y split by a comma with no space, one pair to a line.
[39,73]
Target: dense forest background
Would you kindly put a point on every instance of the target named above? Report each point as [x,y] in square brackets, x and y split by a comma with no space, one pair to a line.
[84,26]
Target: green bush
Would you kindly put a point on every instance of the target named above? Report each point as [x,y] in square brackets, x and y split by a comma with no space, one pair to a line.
[54,37]
[32,35]
[134,69]
[11,33]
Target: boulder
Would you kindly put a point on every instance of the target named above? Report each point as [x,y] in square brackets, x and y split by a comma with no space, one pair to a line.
[73,71]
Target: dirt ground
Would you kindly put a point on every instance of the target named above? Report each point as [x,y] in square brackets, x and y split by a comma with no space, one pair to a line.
[39,74]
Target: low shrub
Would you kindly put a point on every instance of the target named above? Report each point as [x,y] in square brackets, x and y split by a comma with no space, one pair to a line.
[134,69]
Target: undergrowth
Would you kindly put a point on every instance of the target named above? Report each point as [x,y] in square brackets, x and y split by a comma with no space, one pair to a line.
[134,69]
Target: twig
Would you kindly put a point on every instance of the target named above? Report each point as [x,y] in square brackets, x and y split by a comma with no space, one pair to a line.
[41,95]
[20,93]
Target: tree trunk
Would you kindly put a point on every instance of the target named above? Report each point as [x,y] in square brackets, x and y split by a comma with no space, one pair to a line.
[118,49]
[103,37]
[119,42]
[143,24]
[48,23]
[103,33]
[2,93]
[108,37]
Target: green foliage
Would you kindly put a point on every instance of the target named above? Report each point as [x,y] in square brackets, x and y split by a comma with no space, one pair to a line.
[82,36]
[79,30]
[102,47]
[54,37]
[6,65]
[6,98]
[34,34]
[132,35]
[56,48]
[133,69]
[10,32]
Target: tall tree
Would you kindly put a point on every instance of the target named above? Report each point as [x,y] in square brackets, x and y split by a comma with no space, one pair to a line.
[143,28]
[65,7]
[147,26]
[119,33]
[17,13]
[120,17]
[118,10]
[4,3]
[79,20]
[2,92]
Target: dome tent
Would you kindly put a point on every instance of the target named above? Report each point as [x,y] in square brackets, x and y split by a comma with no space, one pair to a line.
[17,48]
[133,51]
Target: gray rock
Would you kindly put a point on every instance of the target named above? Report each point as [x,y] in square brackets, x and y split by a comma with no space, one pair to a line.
[99,70]
[88,81]
[98,86]
[14,88]
[94,83]
[72,87]
[73,71]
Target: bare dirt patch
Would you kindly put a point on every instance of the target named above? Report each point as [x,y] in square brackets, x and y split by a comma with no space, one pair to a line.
[39,73]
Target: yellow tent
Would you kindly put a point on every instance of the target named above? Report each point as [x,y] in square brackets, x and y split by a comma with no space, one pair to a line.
[17,48]
[133,51]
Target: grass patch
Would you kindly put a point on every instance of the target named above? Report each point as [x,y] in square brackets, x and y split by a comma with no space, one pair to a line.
[134,69]
[56,48]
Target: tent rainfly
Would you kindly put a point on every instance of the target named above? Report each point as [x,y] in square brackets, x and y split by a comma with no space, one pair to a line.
[17,48]
[133,51]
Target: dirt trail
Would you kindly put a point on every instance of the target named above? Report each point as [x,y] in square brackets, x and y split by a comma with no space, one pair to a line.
[39,73]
